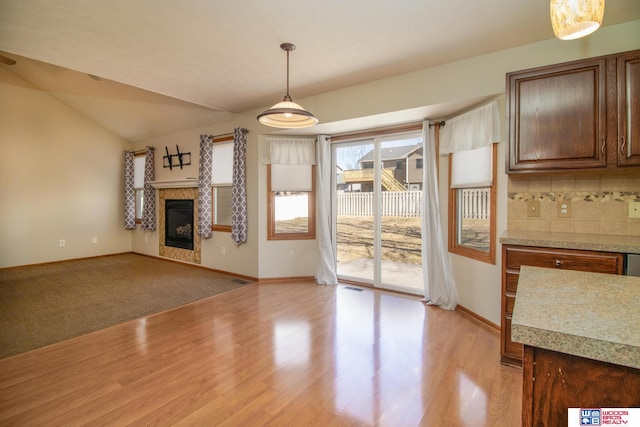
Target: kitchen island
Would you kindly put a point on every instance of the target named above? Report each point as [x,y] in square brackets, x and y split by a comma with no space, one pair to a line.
[581,333]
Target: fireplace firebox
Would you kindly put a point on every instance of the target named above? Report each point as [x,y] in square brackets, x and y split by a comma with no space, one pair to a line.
[179,223]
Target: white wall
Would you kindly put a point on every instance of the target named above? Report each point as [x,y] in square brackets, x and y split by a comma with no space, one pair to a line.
[274,259]
[60,178]
[478,283]
[258,257]
[241,259]
[61,175]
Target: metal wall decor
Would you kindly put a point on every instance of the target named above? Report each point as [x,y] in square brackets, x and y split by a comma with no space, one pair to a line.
[173,160]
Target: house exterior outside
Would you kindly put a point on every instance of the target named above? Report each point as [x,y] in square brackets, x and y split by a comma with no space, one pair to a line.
[402,170]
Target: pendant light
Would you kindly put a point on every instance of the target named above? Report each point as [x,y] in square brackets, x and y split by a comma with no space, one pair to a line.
[572,19]
[287,114]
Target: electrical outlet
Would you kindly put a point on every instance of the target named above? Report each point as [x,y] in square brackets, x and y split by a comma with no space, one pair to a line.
[62,243]
[533,208]
[223,250]
[564,208]
[94,240]
[634,209]
[291,255]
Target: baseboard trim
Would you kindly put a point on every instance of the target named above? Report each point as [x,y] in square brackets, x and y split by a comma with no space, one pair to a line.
[38,264]
[479,318]
[260,281]
[267,280]
[215,270]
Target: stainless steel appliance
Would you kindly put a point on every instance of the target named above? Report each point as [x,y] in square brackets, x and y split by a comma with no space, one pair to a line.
[633,265]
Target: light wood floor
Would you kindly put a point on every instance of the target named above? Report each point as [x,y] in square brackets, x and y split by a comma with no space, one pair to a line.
[272,354]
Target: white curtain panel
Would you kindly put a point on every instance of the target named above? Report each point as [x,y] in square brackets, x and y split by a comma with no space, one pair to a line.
[474,129]
[326,273]
[129,192]
[148,220]
[439,286]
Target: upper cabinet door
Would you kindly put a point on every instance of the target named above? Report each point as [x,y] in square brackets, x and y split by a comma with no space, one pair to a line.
[558,117]
[629,109]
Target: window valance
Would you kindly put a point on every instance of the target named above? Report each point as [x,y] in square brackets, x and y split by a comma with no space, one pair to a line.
[471,130]
[289,151]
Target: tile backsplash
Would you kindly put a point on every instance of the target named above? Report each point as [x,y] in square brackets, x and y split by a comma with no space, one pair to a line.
[599,202]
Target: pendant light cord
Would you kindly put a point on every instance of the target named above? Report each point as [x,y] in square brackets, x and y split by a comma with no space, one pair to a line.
[287,97]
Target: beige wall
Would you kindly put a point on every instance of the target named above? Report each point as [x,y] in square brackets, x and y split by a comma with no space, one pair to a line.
[241,259]
[60,178]
[478,283]
[95,182]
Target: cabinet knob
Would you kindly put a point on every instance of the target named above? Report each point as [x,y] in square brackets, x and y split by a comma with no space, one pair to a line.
[558,263]
[623,146]
[603,146]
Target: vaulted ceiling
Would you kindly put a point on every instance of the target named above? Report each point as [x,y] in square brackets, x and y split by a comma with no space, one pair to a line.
[162,66]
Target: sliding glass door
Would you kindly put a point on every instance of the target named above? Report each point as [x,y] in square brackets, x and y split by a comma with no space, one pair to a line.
[378,197]
[355,245]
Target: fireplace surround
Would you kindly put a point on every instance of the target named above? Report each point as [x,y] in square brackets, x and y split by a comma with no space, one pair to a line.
[178,253]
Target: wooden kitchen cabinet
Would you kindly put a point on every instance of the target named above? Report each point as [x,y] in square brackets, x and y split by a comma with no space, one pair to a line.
[574,116]
[514,256]
[629,109]
[553,382]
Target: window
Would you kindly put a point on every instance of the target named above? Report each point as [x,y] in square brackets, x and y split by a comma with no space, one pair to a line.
[291,202]
[290,188]
[472,203]
[221,183]
[138,182]
[419,163]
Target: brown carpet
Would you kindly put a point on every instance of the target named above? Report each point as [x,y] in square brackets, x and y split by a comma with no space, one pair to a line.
[45,304]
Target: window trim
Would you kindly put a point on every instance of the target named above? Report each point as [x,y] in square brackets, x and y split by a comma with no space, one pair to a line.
[214,226]
[139,153]
[271,206]
[466,251]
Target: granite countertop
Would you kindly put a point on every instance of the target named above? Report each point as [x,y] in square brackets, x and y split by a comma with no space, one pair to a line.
[590,242]
[591,315]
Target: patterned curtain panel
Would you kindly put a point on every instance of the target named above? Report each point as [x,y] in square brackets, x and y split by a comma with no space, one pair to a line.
[239,189]
[148,221]
[129,192]
[205,198]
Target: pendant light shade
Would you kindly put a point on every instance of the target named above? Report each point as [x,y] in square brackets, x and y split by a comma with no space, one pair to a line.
[572,19]
[287,114]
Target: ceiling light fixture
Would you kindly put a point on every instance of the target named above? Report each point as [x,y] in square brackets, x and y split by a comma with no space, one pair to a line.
[287,114]
[572,19]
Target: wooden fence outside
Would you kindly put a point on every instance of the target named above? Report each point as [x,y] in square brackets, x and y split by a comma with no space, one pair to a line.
[475,203]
